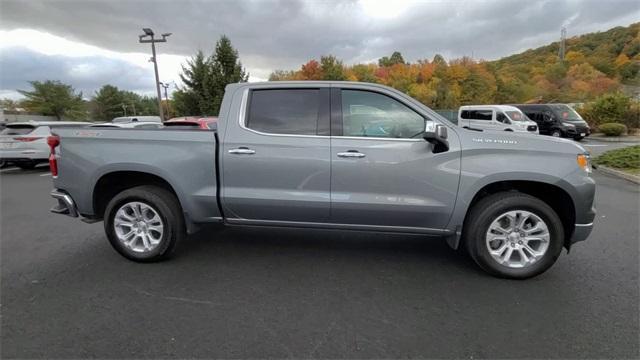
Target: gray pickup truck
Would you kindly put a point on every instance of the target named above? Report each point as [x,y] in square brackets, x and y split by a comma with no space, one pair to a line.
[332,155]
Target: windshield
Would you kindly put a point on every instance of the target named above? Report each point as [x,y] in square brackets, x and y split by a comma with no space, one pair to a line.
[566,113]
[516,115]
[17,130]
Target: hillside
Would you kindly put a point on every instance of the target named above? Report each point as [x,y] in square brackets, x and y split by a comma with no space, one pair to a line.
[594,64]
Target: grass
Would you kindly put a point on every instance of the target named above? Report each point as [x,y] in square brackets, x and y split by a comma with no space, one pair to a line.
[625,159]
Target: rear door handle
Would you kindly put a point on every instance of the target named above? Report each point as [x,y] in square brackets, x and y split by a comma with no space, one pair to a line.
[351,154]
[242,151]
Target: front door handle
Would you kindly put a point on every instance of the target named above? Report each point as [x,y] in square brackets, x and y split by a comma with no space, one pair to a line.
[242,151]
[351,154]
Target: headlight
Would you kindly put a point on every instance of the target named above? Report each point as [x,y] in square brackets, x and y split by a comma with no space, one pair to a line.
[569,125]
[584,162]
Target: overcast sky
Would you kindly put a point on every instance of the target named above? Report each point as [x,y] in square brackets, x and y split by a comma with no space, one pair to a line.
[91,43]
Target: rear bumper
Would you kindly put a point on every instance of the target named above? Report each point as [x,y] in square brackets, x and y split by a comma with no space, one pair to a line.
[65,205]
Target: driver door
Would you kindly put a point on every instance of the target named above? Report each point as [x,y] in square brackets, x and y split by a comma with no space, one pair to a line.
[383,174]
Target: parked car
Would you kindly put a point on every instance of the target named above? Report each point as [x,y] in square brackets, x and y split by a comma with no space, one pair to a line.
[559,120]
[131,125]
[25,143]
[205,123]
[128,119]
[495,117]
[298,154]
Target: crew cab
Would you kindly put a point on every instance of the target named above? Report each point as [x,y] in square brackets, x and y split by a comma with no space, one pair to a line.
[330,155]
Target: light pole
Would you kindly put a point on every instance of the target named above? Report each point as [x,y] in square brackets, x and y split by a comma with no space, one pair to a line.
[145,38]
[166,98]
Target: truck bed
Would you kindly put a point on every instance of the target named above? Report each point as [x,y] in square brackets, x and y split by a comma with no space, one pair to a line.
[185,159]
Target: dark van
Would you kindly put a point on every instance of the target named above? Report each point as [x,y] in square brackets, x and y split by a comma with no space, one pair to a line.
[558,120]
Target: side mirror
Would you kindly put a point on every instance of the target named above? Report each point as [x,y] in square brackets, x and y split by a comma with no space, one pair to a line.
[437,135]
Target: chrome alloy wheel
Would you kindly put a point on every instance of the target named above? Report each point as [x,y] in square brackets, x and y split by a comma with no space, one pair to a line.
[138,227]
[517,239]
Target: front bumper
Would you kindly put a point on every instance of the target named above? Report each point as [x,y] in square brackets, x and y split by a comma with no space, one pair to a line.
[65,205]
[581,232]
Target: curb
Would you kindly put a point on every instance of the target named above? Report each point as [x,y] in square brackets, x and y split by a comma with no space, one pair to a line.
[621,174]
[629,139]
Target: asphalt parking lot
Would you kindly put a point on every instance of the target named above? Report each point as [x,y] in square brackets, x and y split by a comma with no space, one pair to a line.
[255,293]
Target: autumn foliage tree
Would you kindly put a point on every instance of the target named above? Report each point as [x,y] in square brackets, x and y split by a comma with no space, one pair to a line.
[594,65]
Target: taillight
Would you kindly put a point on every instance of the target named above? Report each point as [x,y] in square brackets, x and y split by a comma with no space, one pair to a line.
[27,138]
[53,141]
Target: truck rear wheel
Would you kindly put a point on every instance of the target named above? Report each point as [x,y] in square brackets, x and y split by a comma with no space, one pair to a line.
[513,235]
[144,223]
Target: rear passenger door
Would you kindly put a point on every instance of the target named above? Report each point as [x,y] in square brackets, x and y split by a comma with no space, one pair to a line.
[276,163]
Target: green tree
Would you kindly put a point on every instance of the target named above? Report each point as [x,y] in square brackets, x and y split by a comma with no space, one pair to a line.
[609,108]
[55,99]
[107,103]
[282,75]
[224,68]
[396,58]
[110,102]
[332,68]
[192,98]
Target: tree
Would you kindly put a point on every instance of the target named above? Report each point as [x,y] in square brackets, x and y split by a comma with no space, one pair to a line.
[192,98]
[332,68]
[282,75]
[224,68]
[310,71]
[107,103]
[396,58]
[110,102]
[55,99]
[10,105]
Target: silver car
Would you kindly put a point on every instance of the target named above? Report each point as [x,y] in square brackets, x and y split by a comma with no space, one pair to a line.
[25,143]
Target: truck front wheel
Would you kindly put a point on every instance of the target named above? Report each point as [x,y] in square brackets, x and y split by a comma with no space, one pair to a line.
[144,223]
[513,235]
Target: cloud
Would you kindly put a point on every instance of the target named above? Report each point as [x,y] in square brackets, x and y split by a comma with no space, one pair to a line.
[284,34]
[86,73]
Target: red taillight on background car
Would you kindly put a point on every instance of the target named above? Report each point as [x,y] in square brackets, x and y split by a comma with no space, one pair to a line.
[53,141]
[27,138]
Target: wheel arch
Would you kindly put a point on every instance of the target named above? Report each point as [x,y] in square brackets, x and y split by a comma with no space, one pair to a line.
[554,195]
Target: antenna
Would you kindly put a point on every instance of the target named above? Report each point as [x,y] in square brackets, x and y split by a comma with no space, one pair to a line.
[563,39]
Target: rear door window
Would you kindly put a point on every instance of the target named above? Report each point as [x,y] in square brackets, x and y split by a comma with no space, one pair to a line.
[284,111]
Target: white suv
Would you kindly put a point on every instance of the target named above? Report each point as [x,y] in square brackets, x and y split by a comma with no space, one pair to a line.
[495,117]
[25,143]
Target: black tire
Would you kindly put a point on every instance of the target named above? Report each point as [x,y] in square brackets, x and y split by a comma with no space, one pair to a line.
[26,165]
[556,133]
[2,164]
[508,130]
[491,207]
[578,138]
[168,208]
